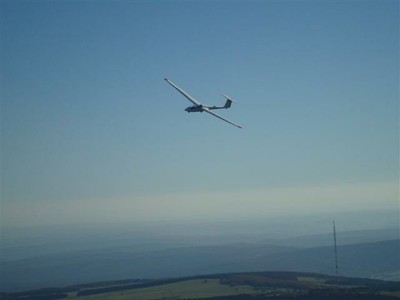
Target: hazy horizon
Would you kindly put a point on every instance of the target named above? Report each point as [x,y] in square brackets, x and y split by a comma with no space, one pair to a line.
[71,254]
[245,205]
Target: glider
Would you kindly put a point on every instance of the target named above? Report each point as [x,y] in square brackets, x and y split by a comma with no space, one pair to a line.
[198,107]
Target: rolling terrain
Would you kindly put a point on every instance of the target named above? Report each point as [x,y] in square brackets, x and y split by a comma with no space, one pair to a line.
[46,257]
[260,285]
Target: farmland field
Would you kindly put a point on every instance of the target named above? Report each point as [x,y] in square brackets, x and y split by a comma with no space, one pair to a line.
[190,289]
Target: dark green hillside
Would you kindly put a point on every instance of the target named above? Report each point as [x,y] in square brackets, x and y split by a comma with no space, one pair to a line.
[260,285]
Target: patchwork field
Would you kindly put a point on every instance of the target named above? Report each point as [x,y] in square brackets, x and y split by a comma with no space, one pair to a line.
[260,285]
[188,289]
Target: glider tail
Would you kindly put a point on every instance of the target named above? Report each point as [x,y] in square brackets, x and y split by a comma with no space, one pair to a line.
[228,102]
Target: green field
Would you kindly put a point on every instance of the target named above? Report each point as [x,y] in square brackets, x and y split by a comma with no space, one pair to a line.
[250,284]
[189,289]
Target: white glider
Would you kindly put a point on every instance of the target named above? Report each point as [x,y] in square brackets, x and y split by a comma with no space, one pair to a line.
[198,107]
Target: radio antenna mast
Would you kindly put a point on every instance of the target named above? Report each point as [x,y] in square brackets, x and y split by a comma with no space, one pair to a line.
[336,257]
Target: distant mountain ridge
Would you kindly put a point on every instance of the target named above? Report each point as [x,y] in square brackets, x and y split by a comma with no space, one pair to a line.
[361,260]
[343,238]
[358,260]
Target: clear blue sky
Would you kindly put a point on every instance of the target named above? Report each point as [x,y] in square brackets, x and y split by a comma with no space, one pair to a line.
[91,132]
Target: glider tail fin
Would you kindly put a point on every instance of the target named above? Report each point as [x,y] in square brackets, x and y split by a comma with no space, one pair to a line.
[228,102]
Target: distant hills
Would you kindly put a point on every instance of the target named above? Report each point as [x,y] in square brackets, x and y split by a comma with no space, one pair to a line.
[59,256]
[344,238]
[360,260]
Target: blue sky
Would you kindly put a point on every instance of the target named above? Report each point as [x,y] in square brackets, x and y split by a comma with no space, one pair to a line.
[90,130]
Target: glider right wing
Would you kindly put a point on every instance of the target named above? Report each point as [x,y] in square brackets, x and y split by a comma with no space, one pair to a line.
[218,116]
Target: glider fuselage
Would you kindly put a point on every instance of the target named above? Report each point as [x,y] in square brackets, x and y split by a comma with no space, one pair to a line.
[194,108]
[200,108]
